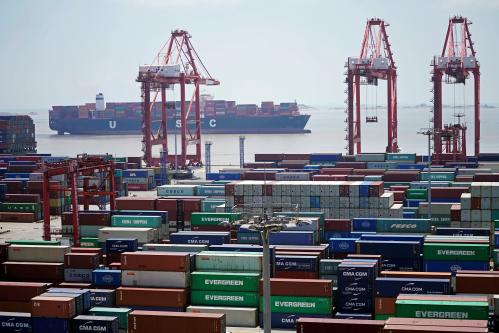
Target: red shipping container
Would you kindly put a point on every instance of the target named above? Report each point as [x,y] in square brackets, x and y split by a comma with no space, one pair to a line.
[455,213]
[82,260]
[486,177]
[259,175]
[97,250]
[53,307]
[399,188]
[399,195]
[376,189]
[173,298]
[299,287]
[13,306]
[448,192]
[229,189]
[3,252]
[401,176]
[136,203]
[477,283]
[155,261]
[476,203]
[337,225]
[20,291]
[336,171]
[178,322]
[329,177]
[22,198]
[384,305]
[344,190]
[323,325]
[432,329]
[354,165]
[18,217]
[296,275]
[33,271]
[267,190]
[463,179]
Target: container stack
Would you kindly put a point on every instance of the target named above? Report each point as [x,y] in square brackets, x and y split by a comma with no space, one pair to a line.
[35,263]
[480,206]
[154,280]
[17,135]
[292,299]
[139,179]
[80,263]
[338,200]
[450,254]
[356,283]
[227,282]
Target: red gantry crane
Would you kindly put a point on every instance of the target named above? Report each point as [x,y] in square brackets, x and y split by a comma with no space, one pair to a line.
[83,166]
[375,62]
[176,63]
[453,66]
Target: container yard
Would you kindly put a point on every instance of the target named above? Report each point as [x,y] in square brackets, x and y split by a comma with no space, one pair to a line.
[311,241]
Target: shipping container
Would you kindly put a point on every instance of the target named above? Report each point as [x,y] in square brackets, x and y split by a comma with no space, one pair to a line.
[229,262]
[82,324]
[155,261]
[152,297]
[441,309]
[37,253]
[155,279]
[19,322]
[225,281]
[120,313]
[299,304]
[234,316]
[179,322]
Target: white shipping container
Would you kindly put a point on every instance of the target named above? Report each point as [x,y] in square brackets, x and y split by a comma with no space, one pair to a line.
[239,317]
[143,235]
[173,190]
[292,176]
[155,279]
[37,253]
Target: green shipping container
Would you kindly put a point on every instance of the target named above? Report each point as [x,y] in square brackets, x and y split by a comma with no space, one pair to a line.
[416,194]
[225,281]
[89,242]
[20,207]
[120,313]
[438,176]
[388,184]
[467,252]
[90,230]
[210,206]
[442,309]
[210,219]
[295,304]
[224,298]
[32,242]
[210,261]
[403,225]
[382,316]
[495,214]
[139,221]
[495,257]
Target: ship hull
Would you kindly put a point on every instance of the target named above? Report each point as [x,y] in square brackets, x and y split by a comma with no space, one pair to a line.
[213,125]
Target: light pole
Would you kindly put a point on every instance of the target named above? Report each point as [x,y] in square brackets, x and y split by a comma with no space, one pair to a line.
[241,151]
[429,133]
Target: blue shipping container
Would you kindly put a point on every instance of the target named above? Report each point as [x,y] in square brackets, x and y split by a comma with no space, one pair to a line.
[342,245]
[102,297]
[84,324]
[296,263]
[463,231]
[292,238]
[77,275]
[453,266]
[253,237]
[223,176]
[107,278]
[392,287]
[209,238]
[120,245]
[52,325]
[15,322]
[287,320]
[401,264]
[364,224]
[136,173]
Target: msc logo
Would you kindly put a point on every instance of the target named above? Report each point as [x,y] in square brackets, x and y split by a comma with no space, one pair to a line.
[112,124]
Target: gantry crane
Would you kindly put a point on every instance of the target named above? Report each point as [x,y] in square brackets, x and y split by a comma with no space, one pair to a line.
[176,63]
[456,62]
[83,165]
[375,62]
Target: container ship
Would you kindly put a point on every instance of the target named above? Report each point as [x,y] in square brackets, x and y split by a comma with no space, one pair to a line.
[217,117]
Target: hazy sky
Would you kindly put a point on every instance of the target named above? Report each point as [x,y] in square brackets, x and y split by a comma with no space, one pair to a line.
[63,52]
